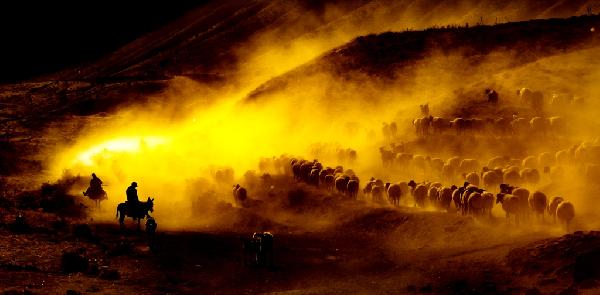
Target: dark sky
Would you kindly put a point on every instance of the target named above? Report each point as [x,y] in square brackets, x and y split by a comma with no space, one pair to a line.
[40,37]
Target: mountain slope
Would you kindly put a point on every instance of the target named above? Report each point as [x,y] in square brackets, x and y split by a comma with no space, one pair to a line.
[219,37]
[391,56]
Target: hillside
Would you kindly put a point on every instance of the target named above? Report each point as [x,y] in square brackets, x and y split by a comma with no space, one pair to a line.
[391,56]
[223,38]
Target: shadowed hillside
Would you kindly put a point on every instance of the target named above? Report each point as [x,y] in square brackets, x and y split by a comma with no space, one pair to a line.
[391,55]
[221,37]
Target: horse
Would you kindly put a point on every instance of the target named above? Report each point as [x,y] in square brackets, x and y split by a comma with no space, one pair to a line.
[97,195]
[138,213]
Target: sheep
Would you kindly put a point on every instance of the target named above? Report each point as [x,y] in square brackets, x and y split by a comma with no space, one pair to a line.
[519,125]
[521,193]
[436,184]
[546,159]
[369,186]
[538,202]
[456,198]
[525,95]
[440,125]
[445,197]
[476,204]
[420,195]
[352,187]
[515,162]
[497,162]
[448,173]
[472,178]
[437,166]
[511,205]
[588,153]
[239,195]
[530,162]
[459,125]
[470,189]
[492,96]
[565,212]
[491,179]
[592,173]
[377,193]
[537,101]
[385,130]
[314,177]
[432,195]
[557,173]
[454,162]
[553,205]
[530,176]
[512,176]
[502,126]
[403,160]
[488,202]
[557,124]
[387,157]
[563,157]
[539,125]
[560,101]
[424,109]
[341,183]
[329,182]
[394,194]
[468,165]
[420,163]
[422,125]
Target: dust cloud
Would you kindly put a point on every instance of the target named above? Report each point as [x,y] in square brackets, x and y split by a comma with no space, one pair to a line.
[189,145]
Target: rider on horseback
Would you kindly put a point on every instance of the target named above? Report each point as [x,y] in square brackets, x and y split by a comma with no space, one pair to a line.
[95,191]
[132,196]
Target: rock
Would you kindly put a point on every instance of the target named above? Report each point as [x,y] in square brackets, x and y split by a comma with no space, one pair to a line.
[109,274]
[588,284]
[72,262]
[586,266]
[82,231]
[533,291]
[548,281]
[426,289]
[569,291]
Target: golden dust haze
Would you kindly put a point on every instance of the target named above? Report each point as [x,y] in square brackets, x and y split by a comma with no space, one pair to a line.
[173,147]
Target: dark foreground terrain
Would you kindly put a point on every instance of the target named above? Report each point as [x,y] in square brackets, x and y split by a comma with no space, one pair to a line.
[370,253]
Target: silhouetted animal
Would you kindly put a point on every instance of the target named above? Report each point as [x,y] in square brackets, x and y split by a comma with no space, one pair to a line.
[141,211]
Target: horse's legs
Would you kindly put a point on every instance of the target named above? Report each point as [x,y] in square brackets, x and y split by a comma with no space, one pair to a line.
[122,220]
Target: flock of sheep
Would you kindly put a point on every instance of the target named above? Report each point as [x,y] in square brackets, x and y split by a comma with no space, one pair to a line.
[535,125]
[501,181]
[468,199]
